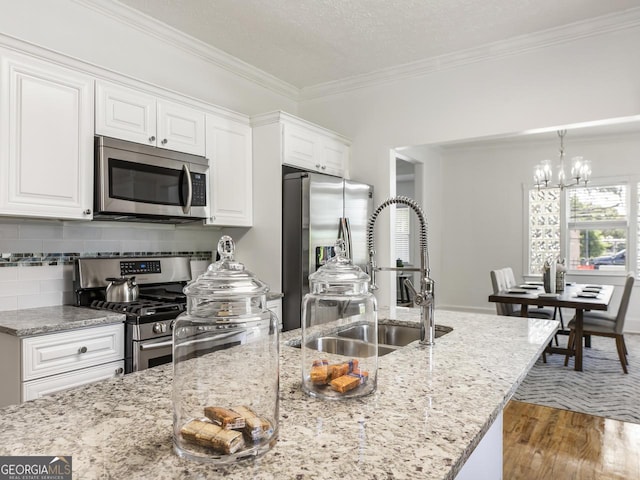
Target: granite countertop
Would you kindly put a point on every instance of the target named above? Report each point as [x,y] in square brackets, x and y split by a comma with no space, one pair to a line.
[432,407]
[40,321]
[43,320]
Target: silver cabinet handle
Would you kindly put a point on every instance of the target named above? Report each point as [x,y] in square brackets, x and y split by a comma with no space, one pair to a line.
[82,350]
[324,167]
[164,141]
[317,165]
[152,138]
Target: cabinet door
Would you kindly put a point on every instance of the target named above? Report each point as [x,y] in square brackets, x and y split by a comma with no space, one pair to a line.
[62,352]
[335,156]
[230,172]
[46,139]
[57,383]
[302,148]
[125,114]
[181,128]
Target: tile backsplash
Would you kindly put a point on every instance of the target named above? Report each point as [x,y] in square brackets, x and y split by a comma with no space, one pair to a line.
[36,256]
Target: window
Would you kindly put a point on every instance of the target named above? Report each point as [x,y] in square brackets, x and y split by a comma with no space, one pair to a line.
[597,228]
[589,226]
[403,229]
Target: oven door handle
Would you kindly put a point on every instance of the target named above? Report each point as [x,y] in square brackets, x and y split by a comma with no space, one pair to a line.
[187,173]
[155,346]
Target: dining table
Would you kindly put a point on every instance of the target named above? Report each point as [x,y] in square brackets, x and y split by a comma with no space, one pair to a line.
[579,297]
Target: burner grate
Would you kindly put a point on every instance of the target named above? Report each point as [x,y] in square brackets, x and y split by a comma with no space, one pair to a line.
[141,307]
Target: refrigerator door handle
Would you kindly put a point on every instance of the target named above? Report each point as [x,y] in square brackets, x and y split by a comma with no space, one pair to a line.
[344,232]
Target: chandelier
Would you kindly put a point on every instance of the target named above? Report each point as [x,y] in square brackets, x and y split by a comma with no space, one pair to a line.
[580,170]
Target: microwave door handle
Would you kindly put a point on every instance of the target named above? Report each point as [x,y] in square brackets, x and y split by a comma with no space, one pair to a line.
[187,205]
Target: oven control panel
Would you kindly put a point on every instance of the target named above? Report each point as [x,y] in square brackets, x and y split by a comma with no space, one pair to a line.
[130,267]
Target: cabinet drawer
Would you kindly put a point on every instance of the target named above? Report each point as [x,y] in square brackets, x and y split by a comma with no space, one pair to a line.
[66,351]
[57,383]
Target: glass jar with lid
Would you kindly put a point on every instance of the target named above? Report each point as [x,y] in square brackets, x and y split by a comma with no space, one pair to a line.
[225,365]
[339,331]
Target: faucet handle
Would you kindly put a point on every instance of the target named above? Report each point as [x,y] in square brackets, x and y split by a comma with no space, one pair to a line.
[418,298]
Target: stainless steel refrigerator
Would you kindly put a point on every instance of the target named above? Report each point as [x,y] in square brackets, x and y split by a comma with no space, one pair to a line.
[317,210]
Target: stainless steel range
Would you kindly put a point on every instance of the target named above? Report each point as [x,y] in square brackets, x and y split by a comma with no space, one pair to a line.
[149,318]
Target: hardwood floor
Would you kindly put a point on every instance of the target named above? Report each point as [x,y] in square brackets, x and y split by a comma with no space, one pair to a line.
[543,443]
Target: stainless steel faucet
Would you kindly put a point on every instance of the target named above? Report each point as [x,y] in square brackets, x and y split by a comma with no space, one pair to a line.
[424,299]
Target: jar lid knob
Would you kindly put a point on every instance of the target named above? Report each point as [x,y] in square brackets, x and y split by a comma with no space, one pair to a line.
[226,248]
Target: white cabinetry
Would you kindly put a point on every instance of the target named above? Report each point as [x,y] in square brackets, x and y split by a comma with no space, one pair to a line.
[230,173]
[139,117]
[310,148]
[64,381]
[279,138]
[46,139]
[58,361]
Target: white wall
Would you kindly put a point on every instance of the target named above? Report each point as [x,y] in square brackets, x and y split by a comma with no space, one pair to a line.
[485,214]
[582,80]
[76,29]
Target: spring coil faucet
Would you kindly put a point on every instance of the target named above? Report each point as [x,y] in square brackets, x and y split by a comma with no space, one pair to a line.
[424,299]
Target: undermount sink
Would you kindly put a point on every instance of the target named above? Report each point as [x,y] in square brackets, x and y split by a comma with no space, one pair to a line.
[349,347]
[356,341]
[396,335]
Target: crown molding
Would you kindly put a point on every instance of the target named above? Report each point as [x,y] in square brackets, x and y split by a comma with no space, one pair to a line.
[567,33]
[165,33]
[524,43]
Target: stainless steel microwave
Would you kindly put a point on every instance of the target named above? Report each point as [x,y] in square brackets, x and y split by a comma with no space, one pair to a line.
[137,182]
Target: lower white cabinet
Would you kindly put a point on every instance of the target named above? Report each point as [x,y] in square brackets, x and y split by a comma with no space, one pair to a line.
[71,350]
[56,383]
[45,364]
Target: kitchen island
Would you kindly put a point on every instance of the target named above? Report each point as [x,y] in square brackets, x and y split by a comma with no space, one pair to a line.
[432,408]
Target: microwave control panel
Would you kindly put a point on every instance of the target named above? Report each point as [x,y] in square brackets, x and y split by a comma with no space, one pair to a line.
[199,184]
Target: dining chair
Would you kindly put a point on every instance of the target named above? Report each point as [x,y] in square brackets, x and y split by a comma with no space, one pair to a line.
[503,279]
[607,325]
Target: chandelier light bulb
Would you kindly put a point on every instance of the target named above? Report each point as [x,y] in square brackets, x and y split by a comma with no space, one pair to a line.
[561,176]
[585,175]
[577,168]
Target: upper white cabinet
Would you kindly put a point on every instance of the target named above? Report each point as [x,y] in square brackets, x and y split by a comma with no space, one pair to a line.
[309,147]
[230,172]
[125,114]
[46,139]
[139,117]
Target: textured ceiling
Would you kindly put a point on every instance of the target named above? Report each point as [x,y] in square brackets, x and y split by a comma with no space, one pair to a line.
[310,42]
